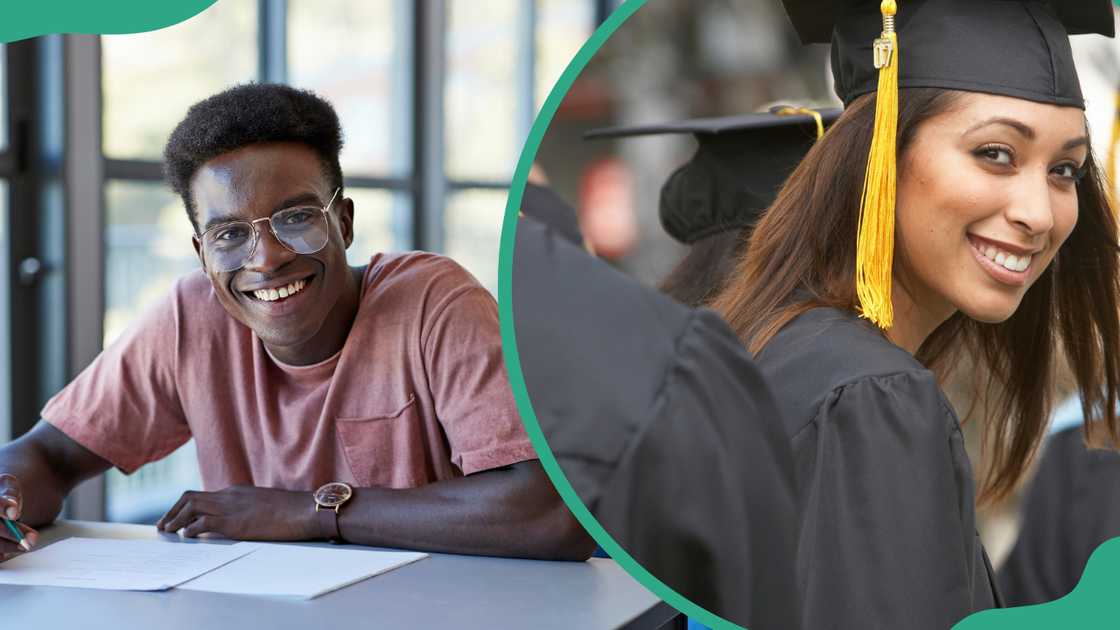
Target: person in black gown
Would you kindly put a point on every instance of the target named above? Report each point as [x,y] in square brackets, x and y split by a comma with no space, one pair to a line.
[1071,507]
[689,542]
[853,313]
[659,420]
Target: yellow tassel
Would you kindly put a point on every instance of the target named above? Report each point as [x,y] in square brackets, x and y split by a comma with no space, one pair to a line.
[787,110]
[875,244]
[1112,146]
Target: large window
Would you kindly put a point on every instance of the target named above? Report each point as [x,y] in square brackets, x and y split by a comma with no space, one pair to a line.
[356,56]
[502,57]
[148,82]
[427,167]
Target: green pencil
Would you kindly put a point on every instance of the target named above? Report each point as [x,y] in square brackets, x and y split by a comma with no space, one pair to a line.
[17,533]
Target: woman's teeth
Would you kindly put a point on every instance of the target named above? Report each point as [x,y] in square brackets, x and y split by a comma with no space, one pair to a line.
[271,295]
[1004,259]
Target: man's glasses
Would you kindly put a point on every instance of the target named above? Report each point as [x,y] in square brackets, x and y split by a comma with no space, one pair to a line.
[303,229]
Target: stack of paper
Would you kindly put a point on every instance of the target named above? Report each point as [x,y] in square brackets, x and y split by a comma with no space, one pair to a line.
[303,572]
[129,565]
[243,568]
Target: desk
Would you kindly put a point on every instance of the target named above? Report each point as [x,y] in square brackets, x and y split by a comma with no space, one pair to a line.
[442,591]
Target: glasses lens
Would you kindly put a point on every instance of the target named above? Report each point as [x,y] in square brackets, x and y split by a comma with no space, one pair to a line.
[303,230]
[228,246]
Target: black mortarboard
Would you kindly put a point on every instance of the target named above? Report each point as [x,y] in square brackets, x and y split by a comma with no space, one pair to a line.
[1016,48]
[739,165]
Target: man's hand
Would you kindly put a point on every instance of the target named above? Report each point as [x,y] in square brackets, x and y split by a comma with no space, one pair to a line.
[244,513]
[11,502]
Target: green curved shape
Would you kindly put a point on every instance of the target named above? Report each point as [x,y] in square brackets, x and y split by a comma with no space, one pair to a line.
[29,18]
[1087,607]
[1091,604]
[509,339]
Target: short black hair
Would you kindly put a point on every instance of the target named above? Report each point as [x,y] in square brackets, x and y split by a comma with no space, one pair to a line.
[249,114]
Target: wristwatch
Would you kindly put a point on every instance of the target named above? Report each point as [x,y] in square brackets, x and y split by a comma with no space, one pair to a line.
[328,499]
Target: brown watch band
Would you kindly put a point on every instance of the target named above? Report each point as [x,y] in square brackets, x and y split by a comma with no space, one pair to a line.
[328,524]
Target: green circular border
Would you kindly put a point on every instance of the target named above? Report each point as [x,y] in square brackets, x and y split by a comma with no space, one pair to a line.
[31,18]
[1087,606]
[509,337]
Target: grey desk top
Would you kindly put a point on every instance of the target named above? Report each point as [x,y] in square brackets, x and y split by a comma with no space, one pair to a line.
[441,591]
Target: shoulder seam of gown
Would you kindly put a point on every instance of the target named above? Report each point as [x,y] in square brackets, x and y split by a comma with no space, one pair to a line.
[859,380]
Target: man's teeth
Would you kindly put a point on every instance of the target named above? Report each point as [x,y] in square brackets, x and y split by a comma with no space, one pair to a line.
[1006,259]
[271,295]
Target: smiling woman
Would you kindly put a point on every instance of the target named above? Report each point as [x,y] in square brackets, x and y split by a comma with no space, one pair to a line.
[984,205]
[995,242]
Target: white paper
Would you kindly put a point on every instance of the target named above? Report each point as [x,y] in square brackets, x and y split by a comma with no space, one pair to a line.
[300,572]
[114,564]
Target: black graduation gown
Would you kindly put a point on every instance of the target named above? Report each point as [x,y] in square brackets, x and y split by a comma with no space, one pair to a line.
[662,424]
[1072,506]
[885,489]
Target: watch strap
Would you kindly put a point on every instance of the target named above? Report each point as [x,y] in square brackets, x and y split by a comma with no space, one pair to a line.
[328,523]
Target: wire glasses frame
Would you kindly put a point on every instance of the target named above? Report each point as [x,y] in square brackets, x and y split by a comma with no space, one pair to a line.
[300,229]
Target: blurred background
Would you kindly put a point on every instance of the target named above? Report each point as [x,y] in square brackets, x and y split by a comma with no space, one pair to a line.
[678,59]
[435,99]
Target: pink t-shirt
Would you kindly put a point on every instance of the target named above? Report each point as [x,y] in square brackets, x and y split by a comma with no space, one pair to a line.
[417,394]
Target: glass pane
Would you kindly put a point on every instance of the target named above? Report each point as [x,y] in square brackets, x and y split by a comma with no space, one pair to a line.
[5,342]
[147,246]
[481,91]
[473,224]
[381,223]
[3,98]
[148,493]
[355,54]
[150,79]
[562,27]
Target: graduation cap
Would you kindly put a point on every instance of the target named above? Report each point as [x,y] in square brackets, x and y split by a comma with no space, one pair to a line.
[1017,48]
[739,165]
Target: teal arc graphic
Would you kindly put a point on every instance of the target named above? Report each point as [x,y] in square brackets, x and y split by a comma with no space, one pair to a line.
[1090,606]
[30,18]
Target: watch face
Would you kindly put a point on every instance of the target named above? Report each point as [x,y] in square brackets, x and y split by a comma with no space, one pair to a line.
[333,494]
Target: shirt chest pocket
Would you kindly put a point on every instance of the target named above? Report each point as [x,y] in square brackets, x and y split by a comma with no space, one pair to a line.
[385,450]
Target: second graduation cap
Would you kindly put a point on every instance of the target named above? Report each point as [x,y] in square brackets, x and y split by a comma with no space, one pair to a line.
[739,165]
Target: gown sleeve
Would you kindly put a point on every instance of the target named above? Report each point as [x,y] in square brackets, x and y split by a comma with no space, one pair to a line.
[593,346]
[887,536]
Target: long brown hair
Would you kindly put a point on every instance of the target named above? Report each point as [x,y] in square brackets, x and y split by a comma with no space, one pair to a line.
[700,275]
[806,243]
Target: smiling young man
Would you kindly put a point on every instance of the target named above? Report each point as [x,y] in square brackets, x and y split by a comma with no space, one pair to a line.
[367,405]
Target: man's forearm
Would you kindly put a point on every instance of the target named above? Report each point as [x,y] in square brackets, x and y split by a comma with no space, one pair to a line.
[48,464]
[42,492]
[511,511]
